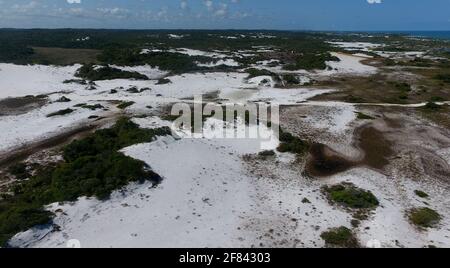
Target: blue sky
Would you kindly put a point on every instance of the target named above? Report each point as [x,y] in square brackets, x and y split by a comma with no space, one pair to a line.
[226,14]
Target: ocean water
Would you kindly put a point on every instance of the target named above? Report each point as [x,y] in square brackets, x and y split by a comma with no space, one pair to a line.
[427,34]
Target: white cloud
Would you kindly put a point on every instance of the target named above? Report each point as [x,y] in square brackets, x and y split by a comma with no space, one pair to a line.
[183,4]
[374,2]
[74,1]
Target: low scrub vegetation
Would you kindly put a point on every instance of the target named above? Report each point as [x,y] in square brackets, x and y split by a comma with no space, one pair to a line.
[253,72]
[291,79]
[350,196]
[311,61]
[424,217]
[92,167]
[444,77]
[363,116]
[125,104]
[61,112]
[421,194]
[19,171]
[340,237]
[167,61]
[93,73]
[292,144]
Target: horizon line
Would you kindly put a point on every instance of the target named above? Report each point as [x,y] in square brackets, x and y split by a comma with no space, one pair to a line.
[218,29]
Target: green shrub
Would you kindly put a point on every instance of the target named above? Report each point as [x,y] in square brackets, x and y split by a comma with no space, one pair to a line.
[444,77]
[311,61]
[125,104]
[92,167]
[306,201]
[432,106]
[291,144]
[94,73]
[163,81]
[424,217]
[267,153]
[291,79]
[363,116]
[92,107]
[340,237]
[61,112]
[19,171]
[254,72]
[348,195]
[421,194]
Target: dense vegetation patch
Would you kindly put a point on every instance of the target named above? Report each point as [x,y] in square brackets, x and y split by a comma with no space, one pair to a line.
[93,73]
[168,61]
[424,217]
[19,171]
[61,112]
[311,61]
[14,52]
[350,196]
[92,107]
[432,106]
[292,144]
[363,116]
[421,194]
[444,77]
[92,167]
[254,72]
[340,237]
[125,104]
[291,79]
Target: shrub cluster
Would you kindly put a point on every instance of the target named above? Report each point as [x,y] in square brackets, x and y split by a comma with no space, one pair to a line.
[93,73]
[92,167]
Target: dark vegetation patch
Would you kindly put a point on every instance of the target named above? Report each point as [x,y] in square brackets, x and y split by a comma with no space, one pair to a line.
[362,116]
[421,194]
[267,153]
[125,104]
[92,107]
[254,72]
[93,73]
[61,112]
[306,201]
[432,106]
[444,77]
[14,51]
[439,114]
[350,196]
[424,217]
[64,56]
[63,99]
[163,81]
[311,61]
[291,79]
[168,61]
[92,167]
[341,237]
[19,171]
[291,144]
[75,81]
